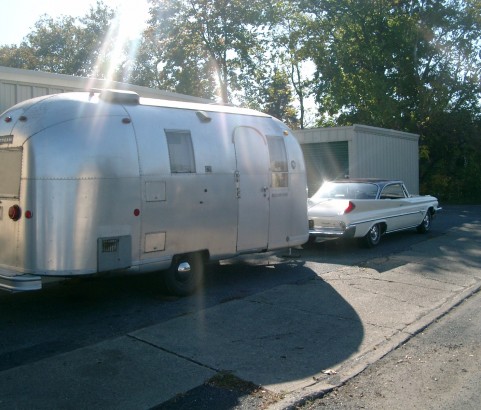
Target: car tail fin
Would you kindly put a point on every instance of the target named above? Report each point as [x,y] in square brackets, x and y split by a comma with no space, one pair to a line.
[349,208]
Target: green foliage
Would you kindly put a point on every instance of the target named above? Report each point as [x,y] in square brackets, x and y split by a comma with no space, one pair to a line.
[450,160]
[66,45]
[276,98]
[407,65]
[211,46]
[170,56]
[288,37]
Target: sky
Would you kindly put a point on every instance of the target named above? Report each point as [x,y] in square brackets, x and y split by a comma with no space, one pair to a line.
[19,18]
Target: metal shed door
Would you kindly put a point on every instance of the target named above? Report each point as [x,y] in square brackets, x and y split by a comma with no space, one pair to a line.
[252,158]
[325,161]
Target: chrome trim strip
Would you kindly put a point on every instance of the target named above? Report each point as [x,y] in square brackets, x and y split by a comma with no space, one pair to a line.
[384,218]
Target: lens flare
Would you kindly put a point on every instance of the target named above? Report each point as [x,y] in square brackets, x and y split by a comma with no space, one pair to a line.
[121,41]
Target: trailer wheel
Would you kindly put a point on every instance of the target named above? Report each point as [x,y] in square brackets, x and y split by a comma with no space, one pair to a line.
[185,274]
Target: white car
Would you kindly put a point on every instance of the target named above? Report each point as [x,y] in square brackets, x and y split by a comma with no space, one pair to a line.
[367,209]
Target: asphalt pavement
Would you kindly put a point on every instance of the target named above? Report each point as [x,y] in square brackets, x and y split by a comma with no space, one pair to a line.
[281,345]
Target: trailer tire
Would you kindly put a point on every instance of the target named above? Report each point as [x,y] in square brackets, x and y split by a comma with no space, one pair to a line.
[185,274]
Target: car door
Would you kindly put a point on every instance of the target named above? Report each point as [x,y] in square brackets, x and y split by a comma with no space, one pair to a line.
[400,212]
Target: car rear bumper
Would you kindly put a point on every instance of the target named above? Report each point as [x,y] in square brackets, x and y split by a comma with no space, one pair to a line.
[332,233]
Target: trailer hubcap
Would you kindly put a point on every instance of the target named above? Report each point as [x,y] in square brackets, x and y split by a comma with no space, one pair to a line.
[183,271]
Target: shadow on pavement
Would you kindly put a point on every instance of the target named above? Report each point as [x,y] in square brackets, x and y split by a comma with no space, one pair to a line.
[283,338]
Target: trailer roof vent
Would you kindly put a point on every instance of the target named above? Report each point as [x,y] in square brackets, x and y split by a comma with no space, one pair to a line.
[203,116]
[120,96]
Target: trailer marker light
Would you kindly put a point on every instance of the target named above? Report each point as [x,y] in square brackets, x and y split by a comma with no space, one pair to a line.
[8,119]
[14,212]
[136,212]
[28,214]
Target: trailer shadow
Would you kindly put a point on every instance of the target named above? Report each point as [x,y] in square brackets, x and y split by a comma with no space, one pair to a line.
[280,315]
[267,319]
[328,329]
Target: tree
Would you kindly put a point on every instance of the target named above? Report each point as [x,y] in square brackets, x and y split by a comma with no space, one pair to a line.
[170,57]
[408,65]
[211,41]
[450,156]
[65,45]
[17,57]
[288,43]
[389,62]
[277,98]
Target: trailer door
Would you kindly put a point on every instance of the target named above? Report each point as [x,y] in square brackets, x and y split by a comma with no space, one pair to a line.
[252,158]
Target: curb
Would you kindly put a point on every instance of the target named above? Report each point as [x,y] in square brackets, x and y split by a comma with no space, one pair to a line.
[356,366]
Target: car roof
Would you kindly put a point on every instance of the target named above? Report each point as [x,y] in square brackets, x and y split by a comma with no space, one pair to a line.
[378,181]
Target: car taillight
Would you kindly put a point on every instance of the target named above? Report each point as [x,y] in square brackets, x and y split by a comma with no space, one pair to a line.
[14,212]
[350,207]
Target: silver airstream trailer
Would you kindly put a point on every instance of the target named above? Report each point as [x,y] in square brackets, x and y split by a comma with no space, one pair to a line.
[108,181]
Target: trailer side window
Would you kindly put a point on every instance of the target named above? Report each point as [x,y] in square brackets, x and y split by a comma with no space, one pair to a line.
[181,151]
[278,156]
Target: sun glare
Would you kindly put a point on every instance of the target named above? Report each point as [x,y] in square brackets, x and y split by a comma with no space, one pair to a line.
[122,40]
[132,17]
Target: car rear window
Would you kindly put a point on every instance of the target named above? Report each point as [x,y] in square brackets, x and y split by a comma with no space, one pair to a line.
[346,190]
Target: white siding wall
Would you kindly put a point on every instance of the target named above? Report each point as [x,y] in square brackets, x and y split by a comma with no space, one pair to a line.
[382,153]
[333,134]
[7,95]
[374,152]
[13,93]
[17,85]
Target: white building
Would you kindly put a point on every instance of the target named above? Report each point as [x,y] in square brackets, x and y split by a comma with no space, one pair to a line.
[357,151]
[360,151]
[17,85]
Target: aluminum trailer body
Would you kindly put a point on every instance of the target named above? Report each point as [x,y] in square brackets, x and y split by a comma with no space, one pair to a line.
[109,181]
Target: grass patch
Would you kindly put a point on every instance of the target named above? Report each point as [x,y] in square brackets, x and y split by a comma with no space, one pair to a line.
[228,381]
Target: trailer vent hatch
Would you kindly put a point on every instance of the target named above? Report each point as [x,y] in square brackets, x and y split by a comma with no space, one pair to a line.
[110,245]
[120,96]
[203,116]
[114,253]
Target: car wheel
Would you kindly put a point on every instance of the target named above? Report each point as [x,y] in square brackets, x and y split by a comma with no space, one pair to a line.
[373,237]
[426,223]
[185,274]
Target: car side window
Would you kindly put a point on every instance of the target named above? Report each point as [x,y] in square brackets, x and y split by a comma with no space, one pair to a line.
[393,191]
[365,191]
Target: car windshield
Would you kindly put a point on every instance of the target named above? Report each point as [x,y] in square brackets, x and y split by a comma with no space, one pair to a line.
[346,190]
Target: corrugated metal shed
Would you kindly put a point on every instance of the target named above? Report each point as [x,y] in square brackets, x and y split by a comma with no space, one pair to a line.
[371,153]
[17,85]
[358,151]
